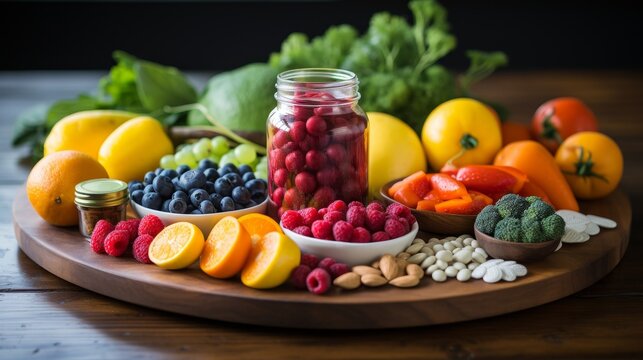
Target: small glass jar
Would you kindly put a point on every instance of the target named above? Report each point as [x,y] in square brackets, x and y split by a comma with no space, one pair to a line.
[317,140]
[100,199]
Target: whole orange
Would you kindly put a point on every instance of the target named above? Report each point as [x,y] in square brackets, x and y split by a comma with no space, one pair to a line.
[52,181]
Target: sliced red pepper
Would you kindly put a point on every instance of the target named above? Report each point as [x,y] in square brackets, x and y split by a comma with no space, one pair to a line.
[486,179]
[407,196]
[447,188]
[521,177]
[395,187]
[480,200]
[419,183]
[428,204]
[455,206]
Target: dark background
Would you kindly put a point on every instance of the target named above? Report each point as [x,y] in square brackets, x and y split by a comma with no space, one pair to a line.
[220,35]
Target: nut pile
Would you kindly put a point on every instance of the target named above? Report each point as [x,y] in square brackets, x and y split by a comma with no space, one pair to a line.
[387,270]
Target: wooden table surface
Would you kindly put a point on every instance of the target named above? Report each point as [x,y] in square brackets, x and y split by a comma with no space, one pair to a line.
[42,316]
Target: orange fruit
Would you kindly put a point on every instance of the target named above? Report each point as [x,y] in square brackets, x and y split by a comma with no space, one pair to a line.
[177,246]
[271,261]
[52,181]
[226,249]
[258,225]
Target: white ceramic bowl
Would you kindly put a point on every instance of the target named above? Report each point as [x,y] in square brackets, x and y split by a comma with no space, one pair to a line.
[205,222]
[352,253]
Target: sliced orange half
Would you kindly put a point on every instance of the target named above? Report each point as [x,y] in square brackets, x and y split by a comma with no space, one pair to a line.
[258,225]
[272,259]
[177,246]
[226,250]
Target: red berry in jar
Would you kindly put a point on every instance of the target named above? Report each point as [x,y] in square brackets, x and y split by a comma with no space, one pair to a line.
[317,141]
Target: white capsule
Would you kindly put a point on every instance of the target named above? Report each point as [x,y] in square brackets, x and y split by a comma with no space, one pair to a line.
[507,273]
[428,262]
[493,275]
[439,276]
[451,271]
[458,265]
[444,255]
[492,262]
[519,270]
[479,272]
[507,263]
[463,275]
[431,269]
[441,264]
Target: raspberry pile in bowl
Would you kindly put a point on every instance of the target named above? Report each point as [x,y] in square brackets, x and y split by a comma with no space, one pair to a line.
[353,223]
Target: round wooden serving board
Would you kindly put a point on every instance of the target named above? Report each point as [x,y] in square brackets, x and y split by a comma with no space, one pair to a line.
[63,252]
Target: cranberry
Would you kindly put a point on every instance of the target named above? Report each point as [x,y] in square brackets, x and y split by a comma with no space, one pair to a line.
[323,110]
[290,147]
[316,125]
[323,196]
[302,113]
[277,158]
[305,182]
[351,190]
[278,196]
[319,142]
[315,159]
[293,199]
[336,153]
[295,161]
[298,131]
[280,139]
[328,176]
[280,177]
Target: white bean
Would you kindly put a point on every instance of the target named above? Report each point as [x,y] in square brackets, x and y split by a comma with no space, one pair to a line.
[476,256]
[417,258]
[444,255]
[493,274]
[472,266]
[439,276]
[427,250]
[431,269]
[451,271]
[417,241]
[482,252]
[428,262]
[415,248]
[463,256]
[507,273]
[463,275]
[449,246]
[467,241]
[449,238]
[441,264]
[470,248]
[456,250]
[475,243]
[437,248]
[457,243]
[479,272]
[459,265]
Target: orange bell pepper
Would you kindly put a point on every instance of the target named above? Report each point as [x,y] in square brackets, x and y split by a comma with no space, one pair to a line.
[407,196]
[447,188]
[455,206]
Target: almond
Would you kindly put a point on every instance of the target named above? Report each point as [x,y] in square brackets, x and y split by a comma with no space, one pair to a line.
[415,270]
[389,267]
[373,280]
[405,281]
[363,270]
[401,264]
[376,264]
[348,281]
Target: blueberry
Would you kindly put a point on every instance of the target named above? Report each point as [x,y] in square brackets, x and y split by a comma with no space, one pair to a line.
[166,205]
[171,173]
[206,207]
[175,182]
[158,171]
[227,204]
[207,164]
[228,168]
[178,206]
[135,185]
[215,199]
[181,169]
[149,177]
[241,195]
[190,208]
[256,186]
[209,187]
[191,191]
[180,195]
[163,186]
[149,189]
[244,169]
[198,196]
[196,212]
[258,198]
[235,179]
[211,174]
[192,179]
[137,196]
[152,200]
[223,186]
[248,176]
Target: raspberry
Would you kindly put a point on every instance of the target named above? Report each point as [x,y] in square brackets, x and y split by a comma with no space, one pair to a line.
[338,269]
[101,230]
[333,216]
[398,210]
[380,236]
[315,125]
[321,212]
[356,216]
[323,196]
[303,230]
[411,219]
[116,242]
[141,248]
[326,263]
[280,177]
[361,235]
[305,182]
[405,223]
[343,231]
[309,215]
[298,131]
[309,260]
[150,225]
[291,219]
[394,228]
[322,229]
[375,220]
[315,159]
[298,276]
[295,161]
[375,205]
[318,281]
[131,226]
[337,205]
[355,203]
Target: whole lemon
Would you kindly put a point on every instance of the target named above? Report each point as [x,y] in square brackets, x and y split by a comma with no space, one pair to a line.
[84,131]
[52,181]
[134,148]
[394,151]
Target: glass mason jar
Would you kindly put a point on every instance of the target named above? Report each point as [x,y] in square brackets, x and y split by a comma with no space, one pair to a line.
[317,140]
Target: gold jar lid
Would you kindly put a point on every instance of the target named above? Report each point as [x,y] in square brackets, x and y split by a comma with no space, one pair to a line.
[97,193]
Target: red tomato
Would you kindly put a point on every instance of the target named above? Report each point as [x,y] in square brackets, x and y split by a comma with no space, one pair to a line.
[560,118]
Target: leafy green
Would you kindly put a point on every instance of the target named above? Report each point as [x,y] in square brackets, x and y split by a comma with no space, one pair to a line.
[62,108]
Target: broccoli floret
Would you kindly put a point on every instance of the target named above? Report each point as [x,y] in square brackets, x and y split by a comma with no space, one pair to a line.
[508,229]
[538,210]
[553,227]
[532,231]
[532,198]
[487,219]
[511,205]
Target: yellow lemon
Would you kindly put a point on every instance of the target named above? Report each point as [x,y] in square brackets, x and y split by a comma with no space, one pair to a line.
[271,261]
[134,148]
[394,151]
[177,246]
